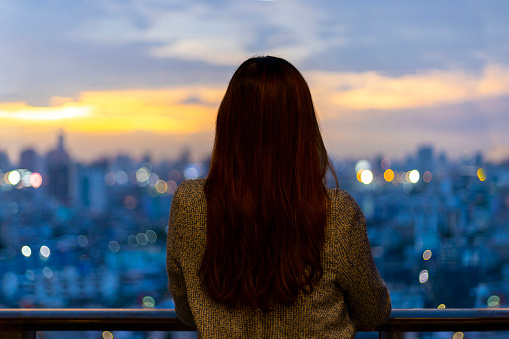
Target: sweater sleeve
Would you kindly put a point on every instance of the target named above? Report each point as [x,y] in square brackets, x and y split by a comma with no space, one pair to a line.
[176,281]
[366,294]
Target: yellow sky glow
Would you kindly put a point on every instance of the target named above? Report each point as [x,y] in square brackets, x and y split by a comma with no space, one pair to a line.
[180,111]
[192,109]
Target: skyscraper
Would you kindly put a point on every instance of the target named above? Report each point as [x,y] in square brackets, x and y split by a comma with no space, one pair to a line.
[58,169]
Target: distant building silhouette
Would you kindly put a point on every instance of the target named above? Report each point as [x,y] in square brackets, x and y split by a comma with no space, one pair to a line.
[4,161]
[30,160]
[425,160]
[58,169]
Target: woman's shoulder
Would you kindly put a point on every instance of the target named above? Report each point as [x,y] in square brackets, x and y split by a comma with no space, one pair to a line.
[343,208]
[340,197]
[190,190]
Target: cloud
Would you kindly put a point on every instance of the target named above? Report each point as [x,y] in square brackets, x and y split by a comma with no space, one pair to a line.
[375,91]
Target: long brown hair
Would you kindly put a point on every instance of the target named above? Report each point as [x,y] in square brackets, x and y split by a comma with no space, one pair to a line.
[265,192]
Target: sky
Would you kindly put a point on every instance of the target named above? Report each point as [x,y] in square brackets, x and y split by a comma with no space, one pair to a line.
[146,77]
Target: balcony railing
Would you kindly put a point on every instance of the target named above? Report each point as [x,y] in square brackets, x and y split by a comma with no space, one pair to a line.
[23,323]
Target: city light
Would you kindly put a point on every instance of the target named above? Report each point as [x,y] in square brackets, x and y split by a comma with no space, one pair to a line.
[26,251]
[82,241]
[45,251]
[142,239]
[193,171]
[362,165]
[142,175]
[423,276]
[481,174]
[386,163]
[161,186]
[366,177]
[36,180]
[148,302]
[413,176]
[172,186]
[151,236]
[47,272]
[13,177]
[130,202]
[427,176]
[114,246]
[389,175]
[122,178]
[493,301]
[426,255]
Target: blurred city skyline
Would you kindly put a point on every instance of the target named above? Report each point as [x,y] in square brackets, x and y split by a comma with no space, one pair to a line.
[137,78]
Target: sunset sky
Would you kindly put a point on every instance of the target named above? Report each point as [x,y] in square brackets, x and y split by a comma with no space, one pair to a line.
[147,76]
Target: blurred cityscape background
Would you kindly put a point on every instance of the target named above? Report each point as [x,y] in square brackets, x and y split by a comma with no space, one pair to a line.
[93,234]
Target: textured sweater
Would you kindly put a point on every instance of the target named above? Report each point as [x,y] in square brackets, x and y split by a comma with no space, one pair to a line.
[350,296]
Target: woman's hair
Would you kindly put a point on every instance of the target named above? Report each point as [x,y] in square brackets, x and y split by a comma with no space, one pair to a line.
[266,196]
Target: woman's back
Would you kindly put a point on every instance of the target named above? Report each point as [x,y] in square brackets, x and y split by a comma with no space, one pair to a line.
[349,296]
[260,248]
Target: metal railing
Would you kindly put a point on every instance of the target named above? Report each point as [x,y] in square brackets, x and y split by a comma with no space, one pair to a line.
[23,323]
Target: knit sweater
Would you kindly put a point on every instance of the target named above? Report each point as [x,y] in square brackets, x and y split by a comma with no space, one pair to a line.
[350,296]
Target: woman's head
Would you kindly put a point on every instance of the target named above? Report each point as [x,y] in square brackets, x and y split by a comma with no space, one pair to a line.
[265,192]
[267,114]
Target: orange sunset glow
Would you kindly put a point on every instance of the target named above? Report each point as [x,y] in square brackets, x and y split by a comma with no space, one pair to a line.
[161,111]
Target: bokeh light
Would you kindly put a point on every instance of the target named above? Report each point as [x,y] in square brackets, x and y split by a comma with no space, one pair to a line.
[110,178]
[148,302]
[389,175]
[122,178]
[142,239]
[359,173]
[174,175]
[142,174]
[25,178]
[172,186]
[107,335]
[423,276]
[151,236]
[47,272]
[458,335]
[362,165]
[45,251]
[366,177]
[407,187]
[193,171]
[481,174]
[153,179]
[441,306]
[427,176]
[161,186]
[131,241]
[114,246]
[13,177]
[386,163]
[413,176]
[26,251]
[36,180]
[30,275]
[426,255]
[82,241]
[494,301]
[130,202]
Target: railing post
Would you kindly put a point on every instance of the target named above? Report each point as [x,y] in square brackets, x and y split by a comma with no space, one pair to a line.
[17,334]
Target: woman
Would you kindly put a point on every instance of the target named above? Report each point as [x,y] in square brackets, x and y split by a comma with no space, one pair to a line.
[260,248]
